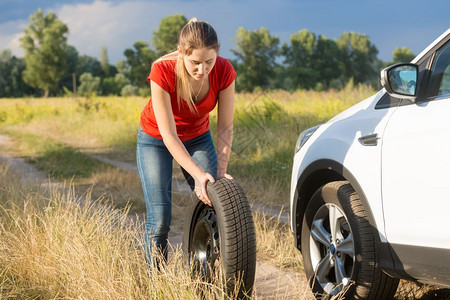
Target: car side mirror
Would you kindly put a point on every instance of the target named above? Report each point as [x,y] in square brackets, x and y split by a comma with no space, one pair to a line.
[400,80]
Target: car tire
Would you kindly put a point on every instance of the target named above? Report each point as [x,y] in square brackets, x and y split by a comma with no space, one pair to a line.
[341,259]
[223,236]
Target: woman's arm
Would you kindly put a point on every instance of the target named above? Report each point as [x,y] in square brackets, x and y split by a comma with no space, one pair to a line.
[162,108]
[224,129]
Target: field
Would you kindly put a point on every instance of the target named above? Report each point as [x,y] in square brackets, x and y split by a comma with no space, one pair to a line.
[55,133]
[51,246]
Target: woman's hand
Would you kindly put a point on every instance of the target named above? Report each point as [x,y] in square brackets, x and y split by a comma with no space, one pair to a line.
[200,187]
[225,175]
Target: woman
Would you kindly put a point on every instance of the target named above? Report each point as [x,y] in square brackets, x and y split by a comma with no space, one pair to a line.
[185,87]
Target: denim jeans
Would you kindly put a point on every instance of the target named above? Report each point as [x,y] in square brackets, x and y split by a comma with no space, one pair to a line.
[154,163]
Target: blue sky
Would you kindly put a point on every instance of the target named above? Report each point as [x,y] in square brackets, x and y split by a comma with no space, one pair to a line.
[117,24]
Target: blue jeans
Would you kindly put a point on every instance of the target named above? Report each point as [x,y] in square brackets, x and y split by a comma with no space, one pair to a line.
[154,163]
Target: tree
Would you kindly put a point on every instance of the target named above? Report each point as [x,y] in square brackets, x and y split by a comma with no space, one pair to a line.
[402,54]
[67,82]
[358,57]
[140,60]
[104,61]
[165,38]
[299,59]
[122,68]
[11,82]
[256,52]
[121,80]
[114,85]
[89,64]
[44,43]
[109,86]
[326,60]
[311,61]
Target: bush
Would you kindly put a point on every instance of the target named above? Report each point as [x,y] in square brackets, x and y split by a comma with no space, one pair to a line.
[144,92]
[129,90]
[110,87]
[89,85]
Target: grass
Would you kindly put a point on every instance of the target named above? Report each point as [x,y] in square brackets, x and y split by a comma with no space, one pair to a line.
[275,243]
[58,135]
[106,125]
[56,245]
[62,162]
[53,247]
[266,127]
[58,160]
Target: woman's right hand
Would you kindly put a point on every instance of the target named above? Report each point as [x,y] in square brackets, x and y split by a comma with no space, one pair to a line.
[200,187]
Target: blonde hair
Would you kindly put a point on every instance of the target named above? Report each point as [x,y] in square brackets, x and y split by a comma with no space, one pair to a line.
[195,34]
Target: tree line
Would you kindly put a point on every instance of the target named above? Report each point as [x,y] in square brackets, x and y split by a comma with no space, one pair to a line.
[308,61]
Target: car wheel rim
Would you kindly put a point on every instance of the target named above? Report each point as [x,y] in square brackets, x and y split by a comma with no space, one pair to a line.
[205,243]
[332,248]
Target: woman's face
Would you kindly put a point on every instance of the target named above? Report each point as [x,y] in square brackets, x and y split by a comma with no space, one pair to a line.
[200,62]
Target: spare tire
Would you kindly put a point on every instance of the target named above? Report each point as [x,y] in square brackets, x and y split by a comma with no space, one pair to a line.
[222,236]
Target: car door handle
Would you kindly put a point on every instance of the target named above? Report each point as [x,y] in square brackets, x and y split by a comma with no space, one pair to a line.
[369,140]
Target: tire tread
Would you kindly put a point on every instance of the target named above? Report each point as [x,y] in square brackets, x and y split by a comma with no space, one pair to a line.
[238,230]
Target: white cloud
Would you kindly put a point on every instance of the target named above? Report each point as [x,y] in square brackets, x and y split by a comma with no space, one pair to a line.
[118,26]
[10,34]
[102,23]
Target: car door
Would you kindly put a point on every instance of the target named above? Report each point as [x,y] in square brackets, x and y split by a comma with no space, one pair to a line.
[416,177]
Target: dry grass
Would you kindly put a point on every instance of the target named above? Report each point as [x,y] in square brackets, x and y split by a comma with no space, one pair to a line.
[55,245]
[121,186]
[275,243]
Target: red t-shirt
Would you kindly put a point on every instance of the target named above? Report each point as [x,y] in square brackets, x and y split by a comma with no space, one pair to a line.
[189,124]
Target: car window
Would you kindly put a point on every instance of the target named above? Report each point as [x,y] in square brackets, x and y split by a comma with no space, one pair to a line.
[444,89]
[439,84]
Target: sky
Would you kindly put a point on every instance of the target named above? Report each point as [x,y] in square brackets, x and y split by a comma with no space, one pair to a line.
[118,24]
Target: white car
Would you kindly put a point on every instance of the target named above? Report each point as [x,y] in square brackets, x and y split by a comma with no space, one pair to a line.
[370,189]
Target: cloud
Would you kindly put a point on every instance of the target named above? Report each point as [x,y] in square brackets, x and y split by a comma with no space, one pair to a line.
[118,25]
[10,34]
[103,23]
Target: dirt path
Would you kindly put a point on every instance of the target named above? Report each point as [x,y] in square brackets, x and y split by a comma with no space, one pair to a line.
[271,282]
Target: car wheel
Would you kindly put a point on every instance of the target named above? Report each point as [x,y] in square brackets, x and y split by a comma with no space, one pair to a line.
[223,236]
[339,247]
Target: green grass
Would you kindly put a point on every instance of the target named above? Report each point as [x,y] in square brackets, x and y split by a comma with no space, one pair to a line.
[54,158]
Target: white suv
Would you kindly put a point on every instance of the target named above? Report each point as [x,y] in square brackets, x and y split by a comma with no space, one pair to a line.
[370,189]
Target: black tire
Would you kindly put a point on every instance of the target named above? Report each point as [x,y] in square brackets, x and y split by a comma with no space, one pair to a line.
[223,236]
[342,261]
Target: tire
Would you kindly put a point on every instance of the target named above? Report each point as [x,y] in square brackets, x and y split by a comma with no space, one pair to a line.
[223,236]
[342,261]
